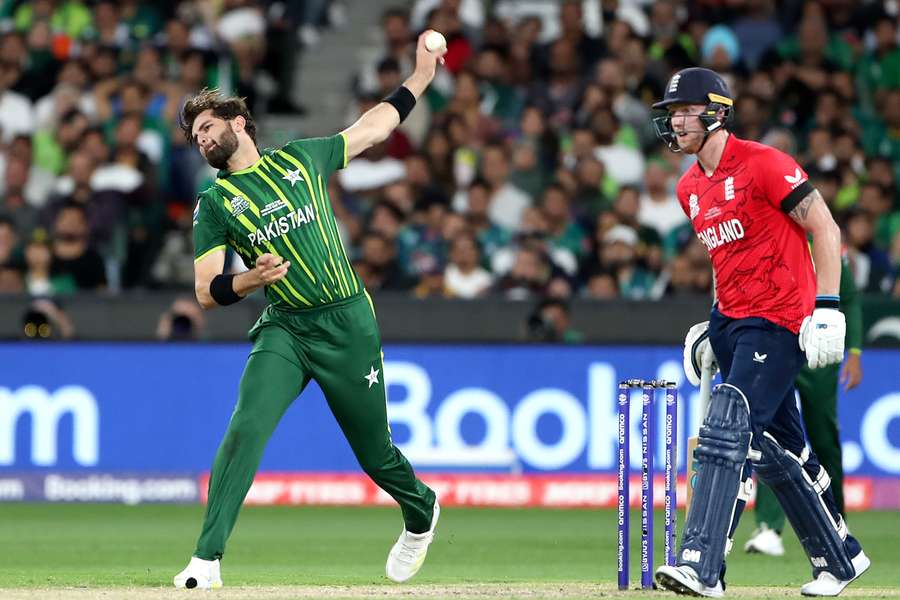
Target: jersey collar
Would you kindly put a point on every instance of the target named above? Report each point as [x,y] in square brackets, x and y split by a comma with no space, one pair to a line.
[728,142]
[226,173]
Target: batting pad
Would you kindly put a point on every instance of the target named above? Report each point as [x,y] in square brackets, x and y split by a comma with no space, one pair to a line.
[821,533]
[721,455]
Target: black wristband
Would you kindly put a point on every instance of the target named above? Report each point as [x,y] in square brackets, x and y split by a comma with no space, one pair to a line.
[403,100]
[222,290]
[828,302]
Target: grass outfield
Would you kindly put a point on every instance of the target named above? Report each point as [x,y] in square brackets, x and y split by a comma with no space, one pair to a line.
[111,551]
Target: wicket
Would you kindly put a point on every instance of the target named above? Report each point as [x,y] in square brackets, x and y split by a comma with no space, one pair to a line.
[649,389]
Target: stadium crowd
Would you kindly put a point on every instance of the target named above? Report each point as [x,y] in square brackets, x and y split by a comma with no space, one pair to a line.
[529,170]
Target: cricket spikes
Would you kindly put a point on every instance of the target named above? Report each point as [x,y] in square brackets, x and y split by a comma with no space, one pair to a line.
[200,574]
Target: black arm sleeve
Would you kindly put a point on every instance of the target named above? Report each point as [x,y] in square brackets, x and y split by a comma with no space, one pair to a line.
[791,201]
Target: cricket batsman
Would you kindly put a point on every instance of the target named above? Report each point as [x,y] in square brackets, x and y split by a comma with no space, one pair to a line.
[818,391]
[776,308]
[272,208]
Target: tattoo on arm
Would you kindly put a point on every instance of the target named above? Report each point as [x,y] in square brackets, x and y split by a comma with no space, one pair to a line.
[801,211]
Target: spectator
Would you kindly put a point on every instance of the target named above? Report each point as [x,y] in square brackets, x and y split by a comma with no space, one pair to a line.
[617,148]
[75,262]
[524,100]
[242,26]
[397,43]
[610,76]
[15,205]
[871,264]
[757,31]
[16,111]
[464,276]
[671,49]
[562,230]
[879,67]
[491,237]
[659,208]
[532,274]
[618,255]
[601,285]
[52,148]
[38,261]
[590,49]
[421,244]
[9,239]
[104,209]
[535,152]
[558,97]
[68,94]
[507,202]
[381,270]
[550,322]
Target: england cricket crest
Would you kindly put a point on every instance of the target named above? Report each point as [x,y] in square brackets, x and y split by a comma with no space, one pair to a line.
[238,205]
[694,206]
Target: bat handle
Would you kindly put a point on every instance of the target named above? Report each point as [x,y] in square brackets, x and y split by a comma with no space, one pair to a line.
[705,389]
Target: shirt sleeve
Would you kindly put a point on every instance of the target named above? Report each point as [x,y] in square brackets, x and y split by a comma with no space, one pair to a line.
[783,182]
[328,154]
[682,197]
[209,231]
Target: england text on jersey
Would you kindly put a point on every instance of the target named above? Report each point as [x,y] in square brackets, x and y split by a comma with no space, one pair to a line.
[759,254]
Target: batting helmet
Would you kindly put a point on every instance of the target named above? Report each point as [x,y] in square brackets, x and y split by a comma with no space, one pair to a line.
[695,85]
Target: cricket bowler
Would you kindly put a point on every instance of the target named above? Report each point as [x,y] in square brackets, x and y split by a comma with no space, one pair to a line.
[777,307]
[272,208]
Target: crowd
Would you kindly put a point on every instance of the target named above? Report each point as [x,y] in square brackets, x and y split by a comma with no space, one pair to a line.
[97,184]
[529,169]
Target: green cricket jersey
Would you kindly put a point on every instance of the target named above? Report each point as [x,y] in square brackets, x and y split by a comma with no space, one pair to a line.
[280,205]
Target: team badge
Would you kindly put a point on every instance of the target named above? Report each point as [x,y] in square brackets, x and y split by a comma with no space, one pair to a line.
[673,83]
[694,206]
[238,205]
[729,188]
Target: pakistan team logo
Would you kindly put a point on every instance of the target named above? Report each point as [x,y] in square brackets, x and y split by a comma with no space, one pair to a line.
[238,205]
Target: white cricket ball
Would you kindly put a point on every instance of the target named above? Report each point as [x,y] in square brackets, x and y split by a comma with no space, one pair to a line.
[435,41]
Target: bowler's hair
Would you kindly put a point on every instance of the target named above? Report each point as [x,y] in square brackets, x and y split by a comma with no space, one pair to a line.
[223,107]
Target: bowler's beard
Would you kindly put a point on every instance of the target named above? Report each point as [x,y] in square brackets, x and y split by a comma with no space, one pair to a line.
[225,147]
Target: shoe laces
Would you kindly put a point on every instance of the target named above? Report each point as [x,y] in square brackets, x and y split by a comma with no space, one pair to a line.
[409,548]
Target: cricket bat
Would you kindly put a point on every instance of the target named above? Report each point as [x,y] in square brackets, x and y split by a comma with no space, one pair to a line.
[705,392]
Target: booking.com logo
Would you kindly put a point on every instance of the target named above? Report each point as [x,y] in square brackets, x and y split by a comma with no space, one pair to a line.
[45,410]
[513,431]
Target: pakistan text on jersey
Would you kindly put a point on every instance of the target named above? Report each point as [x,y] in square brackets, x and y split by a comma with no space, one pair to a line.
[277,228]
[721,234]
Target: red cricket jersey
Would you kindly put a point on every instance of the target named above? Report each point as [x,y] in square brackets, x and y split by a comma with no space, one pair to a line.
[759,254]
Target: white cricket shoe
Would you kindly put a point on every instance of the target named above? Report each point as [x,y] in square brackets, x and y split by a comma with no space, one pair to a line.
[406,557]
[684,580]
[827,584]
[199,573]
[765,541]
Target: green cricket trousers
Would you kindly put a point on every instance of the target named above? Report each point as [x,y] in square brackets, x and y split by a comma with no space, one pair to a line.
[818,403]
[339,346]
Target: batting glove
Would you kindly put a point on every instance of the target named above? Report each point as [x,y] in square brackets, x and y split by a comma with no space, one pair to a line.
[822,337]
[698,353]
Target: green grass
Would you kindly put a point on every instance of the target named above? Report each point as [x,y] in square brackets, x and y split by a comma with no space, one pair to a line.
[44,545]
